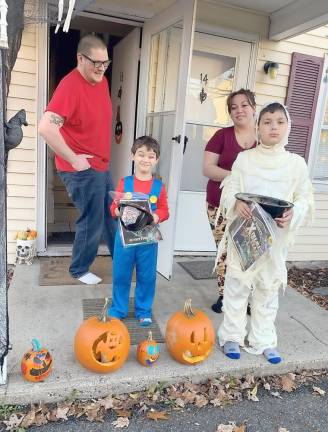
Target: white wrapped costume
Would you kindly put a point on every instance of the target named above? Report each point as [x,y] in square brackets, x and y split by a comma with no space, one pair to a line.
[274,172]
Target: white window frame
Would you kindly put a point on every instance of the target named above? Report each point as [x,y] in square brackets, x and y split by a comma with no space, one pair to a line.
[319,185]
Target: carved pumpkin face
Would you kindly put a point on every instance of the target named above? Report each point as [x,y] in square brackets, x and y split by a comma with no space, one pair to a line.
[36,363]
[189,336]
[102,346]
[147,351]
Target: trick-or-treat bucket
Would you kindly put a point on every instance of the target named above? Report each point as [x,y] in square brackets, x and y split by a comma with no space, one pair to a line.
[274,206]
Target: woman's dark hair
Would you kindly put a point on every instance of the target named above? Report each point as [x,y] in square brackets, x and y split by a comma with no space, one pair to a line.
[249,95]
[147,141]
[272,108]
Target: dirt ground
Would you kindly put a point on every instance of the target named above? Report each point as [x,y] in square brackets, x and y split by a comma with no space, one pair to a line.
[305,280]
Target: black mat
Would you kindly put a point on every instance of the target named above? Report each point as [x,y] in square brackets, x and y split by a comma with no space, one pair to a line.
[199,269]
[92,307]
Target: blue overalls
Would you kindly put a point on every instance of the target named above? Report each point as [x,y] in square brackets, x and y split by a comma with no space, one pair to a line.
[144,258]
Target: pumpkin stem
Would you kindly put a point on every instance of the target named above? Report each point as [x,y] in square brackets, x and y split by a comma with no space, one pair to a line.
[188,309]
[36,344]
[150,336]
[103,316]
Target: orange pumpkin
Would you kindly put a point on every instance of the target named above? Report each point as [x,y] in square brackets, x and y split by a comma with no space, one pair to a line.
[189,335]
[36,363]
[102,344]
[147,351]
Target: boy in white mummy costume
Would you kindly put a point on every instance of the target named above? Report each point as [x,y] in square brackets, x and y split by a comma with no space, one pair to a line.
[269,169]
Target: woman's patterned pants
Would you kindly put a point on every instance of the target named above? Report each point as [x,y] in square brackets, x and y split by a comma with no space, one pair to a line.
[218,232]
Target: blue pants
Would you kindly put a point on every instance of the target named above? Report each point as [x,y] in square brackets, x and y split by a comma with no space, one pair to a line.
[144,258]
[89,192]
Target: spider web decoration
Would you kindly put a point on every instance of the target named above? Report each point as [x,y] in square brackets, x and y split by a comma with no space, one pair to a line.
[35,12]
[53,12]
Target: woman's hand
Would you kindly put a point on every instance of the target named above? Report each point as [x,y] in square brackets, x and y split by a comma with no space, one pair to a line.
[242,209]
[284,221]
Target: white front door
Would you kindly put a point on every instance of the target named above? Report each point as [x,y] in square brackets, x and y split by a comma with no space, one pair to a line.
[219,66]
[165,64]
[123,93]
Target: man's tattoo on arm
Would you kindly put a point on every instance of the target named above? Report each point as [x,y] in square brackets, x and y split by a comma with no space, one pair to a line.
[57,120]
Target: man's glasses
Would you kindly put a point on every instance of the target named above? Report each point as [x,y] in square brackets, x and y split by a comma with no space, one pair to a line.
[96,63]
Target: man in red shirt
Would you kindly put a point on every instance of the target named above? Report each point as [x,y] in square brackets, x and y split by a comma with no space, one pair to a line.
[77,127]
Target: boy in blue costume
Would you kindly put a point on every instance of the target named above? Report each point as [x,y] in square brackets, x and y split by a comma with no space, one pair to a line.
[145,154]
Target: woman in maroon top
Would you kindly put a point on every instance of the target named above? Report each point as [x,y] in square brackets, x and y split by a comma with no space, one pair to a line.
[220,153]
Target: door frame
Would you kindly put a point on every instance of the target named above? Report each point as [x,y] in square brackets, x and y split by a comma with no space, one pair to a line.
[43,44]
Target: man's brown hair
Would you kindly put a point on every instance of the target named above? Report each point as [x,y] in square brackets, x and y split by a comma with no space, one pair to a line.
[89,42]
[147,141]
[249,95]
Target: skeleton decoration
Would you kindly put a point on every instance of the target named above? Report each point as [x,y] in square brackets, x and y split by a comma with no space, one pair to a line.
[25,251]
[68,18]
[3,24]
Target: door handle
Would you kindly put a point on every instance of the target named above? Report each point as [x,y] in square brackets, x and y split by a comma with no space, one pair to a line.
[185,141]
[177,138]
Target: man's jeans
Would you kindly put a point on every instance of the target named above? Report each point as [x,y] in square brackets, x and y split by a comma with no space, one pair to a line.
[89,191]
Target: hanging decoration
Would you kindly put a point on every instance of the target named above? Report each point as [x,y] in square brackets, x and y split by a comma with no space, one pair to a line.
[119,126]
[68,18]
[3,24]
[203,84]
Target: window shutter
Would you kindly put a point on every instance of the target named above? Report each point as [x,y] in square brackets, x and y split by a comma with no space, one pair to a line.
[301,100]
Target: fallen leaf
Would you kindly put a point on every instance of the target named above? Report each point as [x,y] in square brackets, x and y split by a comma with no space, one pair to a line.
[276,394]
[179,402]
[157,415]
[288,382]
[28,420]
[40,419]
[123,413]
[61,413]
[121,422]
[281,429]
[106,402]
[251,395]
[226,428]
[241,428]
[319,391]
[200,401]
[13,422]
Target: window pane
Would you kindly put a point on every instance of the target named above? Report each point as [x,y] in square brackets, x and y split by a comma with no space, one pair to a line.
[211,80]
[164,69]
[321,165]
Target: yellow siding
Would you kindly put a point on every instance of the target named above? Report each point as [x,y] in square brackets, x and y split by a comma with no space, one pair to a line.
[312,242]
[22,160]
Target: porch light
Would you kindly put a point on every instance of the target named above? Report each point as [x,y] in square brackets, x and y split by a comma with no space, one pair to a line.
[271,68]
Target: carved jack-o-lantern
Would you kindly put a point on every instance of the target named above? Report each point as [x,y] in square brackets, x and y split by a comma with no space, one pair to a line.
[102,345]
[36,363]
[189,335]
[148,351]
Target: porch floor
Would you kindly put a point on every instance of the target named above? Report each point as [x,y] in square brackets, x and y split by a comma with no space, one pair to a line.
[53,313]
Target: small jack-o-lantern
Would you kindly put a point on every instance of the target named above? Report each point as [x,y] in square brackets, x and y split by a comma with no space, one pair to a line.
[148,351]
[189,335]
[36,363]
[102,344]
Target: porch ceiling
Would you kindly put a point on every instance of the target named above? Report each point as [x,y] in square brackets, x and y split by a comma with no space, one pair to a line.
[287,17]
